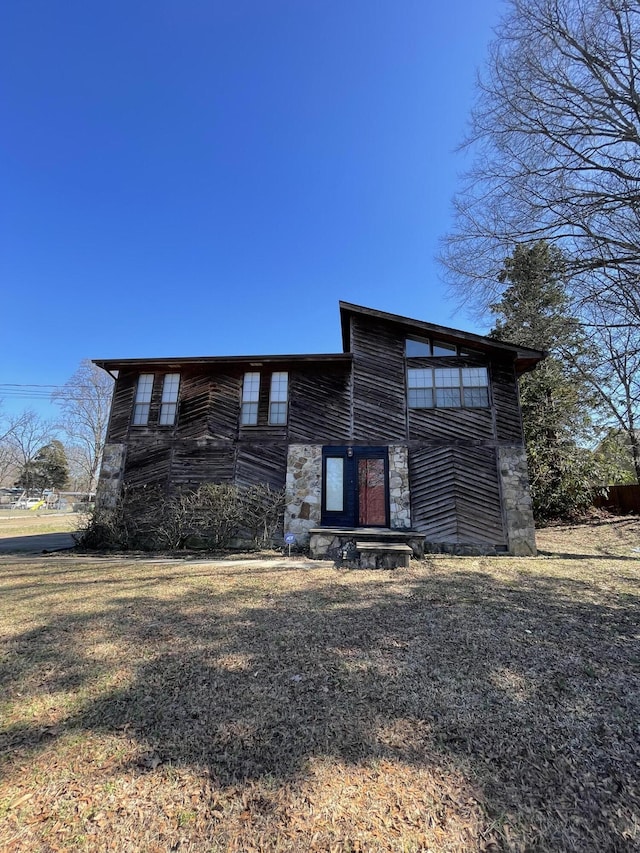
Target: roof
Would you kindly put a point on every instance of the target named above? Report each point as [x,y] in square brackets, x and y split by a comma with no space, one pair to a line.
[525,358]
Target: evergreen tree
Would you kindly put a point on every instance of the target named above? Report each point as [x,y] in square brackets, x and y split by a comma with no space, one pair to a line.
[49,469]
[557,401]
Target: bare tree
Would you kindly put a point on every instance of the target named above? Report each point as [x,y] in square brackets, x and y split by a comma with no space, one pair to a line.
[556,137]
[29,434]
[8,467]
[85,402]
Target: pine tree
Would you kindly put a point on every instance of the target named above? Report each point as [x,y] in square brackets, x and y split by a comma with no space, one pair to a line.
[557,402]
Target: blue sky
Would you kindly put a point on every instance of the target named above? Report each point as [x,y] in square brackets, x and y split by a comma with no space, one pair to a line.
[210,178]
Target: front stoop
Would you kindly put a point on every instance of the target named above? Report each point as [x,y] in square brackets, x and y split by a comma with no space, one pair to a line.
[383,555]
[366,547]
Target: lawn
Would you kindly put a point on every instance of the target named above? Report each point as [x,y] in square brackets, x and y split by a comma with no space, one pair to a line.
[28,523]
[283,705]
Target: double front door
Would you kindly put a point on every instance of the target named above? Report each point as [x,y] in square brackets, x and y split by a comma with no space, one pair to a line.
[355,487]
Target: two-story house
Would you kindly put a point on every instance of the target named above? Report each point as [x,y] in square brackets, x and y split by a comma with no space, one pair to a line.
[412,434]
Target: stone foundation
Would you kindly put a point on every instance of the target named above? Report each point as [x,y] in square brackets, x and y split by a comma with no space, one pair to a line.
[516,500]
[303,490]
[109,482]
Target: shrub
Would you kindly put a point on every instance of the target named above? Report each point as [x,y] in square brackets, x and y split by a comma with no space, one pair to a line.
[213,515]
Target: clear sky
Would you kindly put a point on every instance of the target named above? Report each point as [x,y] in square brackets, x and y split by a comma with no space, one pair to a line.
[210,177]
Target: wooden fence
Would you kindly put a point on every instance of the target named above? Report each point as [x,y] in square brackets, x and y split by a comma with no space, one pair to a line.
[623,499]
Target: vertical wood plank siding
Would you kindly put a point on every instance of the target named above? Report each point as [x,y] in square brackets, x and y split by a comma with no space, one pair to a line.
[455,497]
[379,401]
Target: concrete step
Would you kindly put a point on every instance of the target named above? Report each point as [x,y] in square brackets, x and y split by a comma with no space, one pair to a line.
[383,555]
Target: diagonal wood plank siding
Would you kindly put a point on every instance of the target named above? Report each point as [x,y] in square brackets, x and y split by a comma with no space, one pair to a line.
[450,425]
[147,463]
[455,496]
[261,463]
[506,401]
[379,403]
[202,461]
[320,407]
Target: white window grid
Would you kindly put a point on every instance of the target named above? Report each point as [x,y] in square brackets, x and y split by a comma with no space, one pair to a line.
[278,397]
[250,399]
[447,387]
[169,402]
[143,399]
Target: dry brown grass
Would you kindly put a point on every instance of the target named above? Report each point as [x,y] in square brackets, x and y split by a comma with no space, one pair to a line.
[282,705]
[27,523]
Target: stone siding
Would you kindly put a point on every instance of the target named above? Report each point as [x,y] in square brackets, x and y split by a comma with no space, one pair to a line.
[399,494]
[303,490]
[516,499]
[108,490]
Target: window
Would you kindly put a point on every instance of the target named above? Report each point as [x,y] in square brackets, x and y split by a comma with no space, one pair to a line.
[443,349]
[447,387]
[169,402]
[250,397]
[414,348]
[447,381]
[278,398]
[423,348]
[334,484]
[143,399]
[420,388]
[475,390]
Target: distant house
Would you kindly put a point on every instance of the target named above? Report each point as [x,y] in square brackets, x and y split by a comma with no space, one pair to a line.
[411,436]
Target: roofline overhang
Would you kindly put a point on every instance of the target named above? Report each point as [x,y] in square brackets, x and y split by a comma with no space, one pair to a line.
[524,358]
[111,364]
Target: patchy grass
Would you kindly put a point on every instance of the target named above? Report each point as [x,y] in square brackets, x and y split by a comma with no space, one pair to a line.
[281,705]
[27,523]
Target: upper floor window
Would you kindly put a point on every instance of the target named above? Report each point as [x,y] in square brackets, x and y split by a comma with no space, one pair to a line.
[447,387]
[415,348]
[143,399]
[250,398]
[169,403]
[278,398]
[422,347]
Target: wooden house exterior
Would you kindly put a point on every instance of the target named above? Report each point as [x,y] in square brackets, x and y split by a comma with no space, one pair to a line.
[413,429]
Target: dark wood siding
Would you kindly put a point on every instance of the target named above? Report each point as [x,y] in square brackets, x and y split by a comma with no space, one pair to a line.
[455,496]
[202,461]
[261,463]
[147,463]
[379,401]
[320,406]
[451,425]
[121,407]
[506,402]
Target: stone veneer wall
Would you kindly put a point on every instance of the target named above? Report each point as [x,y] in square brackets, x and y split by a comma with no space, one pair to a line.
[516,499]
[303,490]
[399,494]
[108,490]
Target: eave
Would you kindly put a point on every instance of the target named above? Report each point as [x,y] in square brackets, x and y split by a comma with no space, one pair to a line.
[525,359]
